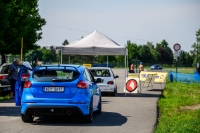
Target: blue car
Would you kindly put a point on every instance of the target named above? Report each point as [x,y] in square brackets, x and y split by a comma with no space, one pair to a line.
[156,67]
[69,90]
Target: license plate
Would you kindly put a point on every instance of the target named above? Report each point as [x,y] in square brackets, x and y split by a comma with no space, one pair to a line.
[103,85]
[53,89]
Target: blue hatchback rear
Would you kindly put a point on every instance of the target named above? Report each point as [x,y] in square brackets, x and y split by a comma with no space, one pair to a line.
[58,90]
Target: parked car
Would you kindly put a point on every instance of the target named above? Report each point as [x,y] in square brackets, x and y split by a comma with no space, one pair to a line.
[156,67]
[109,83]
[4,81]
[69,90]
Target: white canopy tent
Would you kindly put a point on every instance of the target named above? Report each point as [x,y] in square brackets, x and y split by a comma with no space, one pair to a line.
[95,44]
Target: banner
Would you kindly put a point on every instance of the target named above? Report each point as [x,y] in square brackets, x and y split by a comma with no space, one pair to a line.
[133,75]
[160,77]
[149,80]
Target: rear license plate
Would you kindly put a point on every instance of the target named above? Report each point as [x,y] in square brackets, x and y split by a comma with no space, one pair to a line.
[103,85]
[53,89]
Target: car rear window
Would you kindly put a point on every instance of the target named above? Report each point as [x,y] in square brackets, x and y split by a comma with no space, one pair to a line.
[55,75]
[4,70]
[100,72]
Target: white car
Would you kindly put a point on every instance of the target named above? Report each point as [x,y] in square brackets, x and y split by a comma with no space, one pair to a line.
[109,83]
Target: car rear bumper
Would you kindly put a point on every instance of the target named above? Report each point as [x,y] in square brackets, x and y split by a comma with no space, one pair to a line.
[107,88]
[53,110]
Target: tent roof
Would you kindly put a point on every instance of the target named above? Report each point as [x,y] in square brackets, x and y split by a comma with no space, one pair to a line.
[94,44]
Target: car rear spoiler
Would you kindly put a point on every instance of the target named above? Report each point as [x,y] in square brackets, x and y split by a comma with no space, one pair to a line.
[46,67]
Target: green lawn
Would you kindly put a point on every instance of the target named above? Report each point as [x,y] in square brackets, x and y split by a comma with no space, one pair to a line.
[4,98]
[187,70]
[179,109]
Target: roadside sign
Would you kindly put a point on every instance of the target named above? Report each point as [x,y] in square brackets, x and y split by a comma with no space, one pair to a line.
[177,47]
[177,53]
[131,85]
[87,65]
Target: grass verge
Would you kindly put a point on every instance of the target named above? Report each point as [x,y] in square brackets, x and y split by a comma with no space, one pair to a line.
[179,109]
[4,98]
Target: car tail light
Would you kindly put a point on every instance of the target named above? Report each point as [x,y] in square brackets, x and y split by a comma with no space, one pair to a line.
[27,84]
[81,84]
[110,82]
[2,77]
[25,75]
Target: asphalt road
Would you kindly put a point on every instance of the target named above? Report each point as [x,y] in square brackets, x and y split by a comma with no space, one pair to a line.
[133,113]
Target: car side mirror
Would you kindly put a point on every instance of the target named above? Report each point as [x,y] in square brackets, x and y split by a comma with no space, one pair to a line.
[99,80]
[116,76]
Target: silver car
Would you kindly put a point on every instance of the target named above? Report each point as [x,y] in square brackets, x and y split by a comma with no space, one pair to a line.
[109,83]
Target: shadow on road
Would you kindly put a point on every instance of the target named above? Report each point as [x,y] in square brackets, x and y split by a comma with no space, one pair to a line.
[104,119]
[156,90]
[8,101]
[144,95]
[10,111]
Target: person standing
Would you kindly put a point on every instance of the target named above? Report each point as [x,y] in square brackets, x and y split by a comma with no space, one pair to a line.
[131,68]
[141,67]
[13,74]
[35,62]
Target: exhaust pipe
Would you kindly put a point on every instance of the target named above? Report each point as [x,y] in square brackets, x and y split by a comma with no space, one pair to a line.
[69,112]
[36,112]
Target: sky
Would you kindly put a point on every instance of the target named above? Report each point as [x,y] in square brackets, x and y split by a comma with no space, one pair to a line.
[139,21]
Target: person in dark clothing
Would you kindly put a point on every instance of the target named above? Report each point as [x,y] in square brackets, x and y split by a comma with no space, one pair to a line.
[13,74]
[35,62]
[131,69]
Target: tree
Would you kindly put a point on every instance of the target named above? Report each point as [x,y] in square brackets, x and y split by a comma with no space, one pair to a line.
[53,52]
[36,53]
[196,49]
[166,53]
[65,42]
[150,44]
[19,19]
[145,54]
[132,50]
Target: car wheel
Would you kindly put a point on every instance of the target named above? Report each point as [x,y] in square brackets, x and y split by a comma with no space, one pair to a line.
[99,107]
[89,117]
[27,118]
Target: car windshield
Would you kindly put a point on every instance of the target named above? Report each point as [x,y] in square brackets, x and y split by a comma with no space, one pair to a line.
[49,75]
[100,72]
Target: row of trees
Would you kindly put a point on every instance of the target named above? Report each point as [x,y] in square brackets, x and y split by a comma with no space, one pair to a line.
[161,54]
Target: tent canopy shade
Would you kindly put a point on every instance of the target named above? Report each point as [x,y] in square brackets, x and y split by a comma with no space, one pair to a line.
[94,44]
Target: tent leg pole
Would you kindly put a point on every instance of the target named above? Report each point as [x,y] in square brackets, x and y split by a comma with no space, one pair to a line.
[125,73]
[107,60]
[61,55]
[69,59]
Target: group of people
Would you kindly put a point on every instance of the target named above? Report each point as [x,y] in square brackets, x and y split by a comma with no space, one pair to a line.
[13,74]
[141,68]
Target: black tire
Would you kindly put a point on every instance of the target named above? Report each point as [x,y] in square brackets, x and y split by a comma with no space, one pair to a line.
[89,117]
[100,107]
[27,118]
